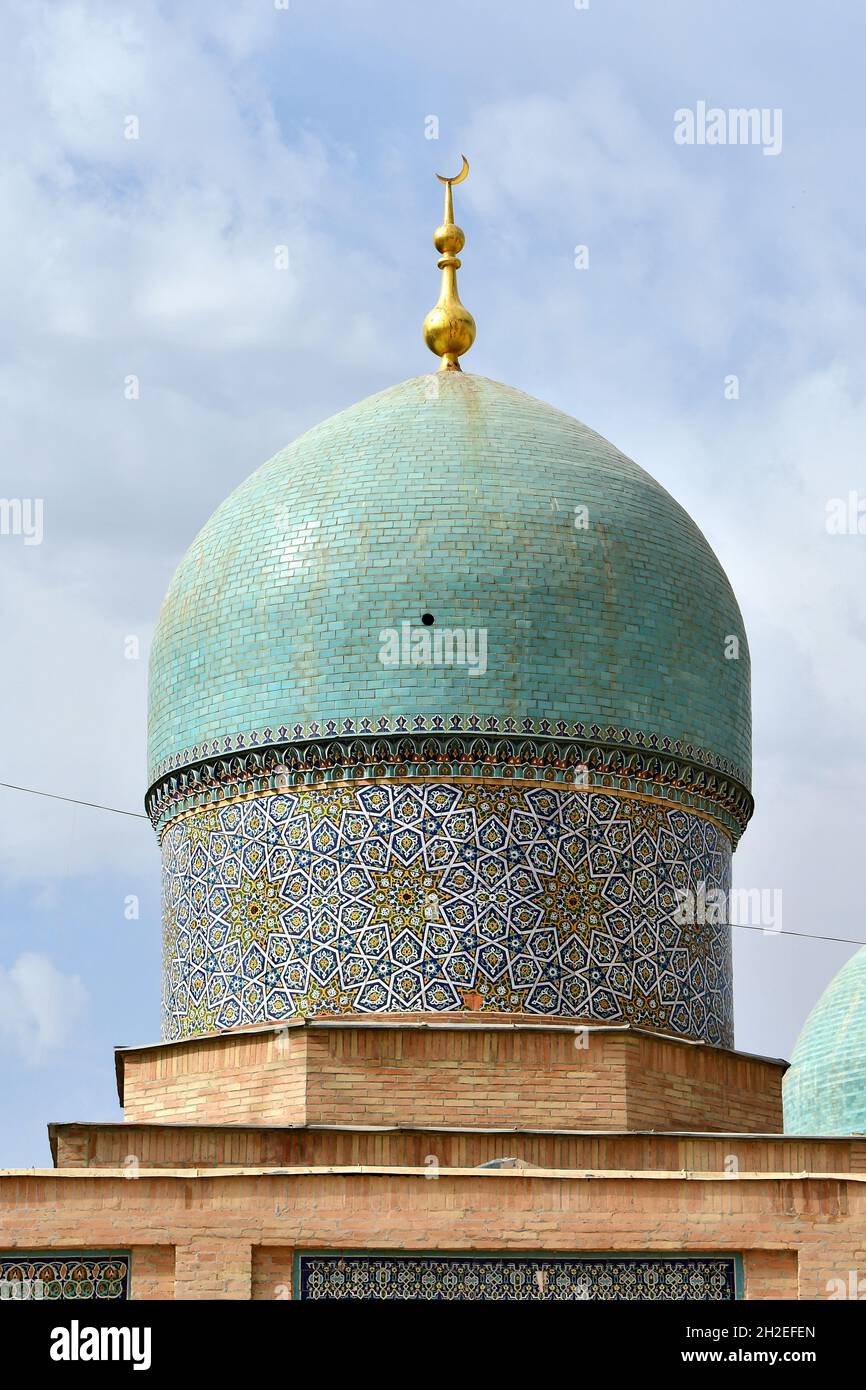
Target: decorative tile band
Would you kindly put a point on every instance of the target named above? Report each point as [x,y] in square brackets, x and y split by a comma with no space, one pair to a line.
[445,724]
[64,1276]
[540,757]
[436,897]
[435,1278]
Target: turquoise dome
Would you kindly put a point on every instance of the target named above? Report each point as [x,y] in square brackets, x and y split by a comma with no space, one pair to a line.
[443,718]
[453,496]
[825,1086]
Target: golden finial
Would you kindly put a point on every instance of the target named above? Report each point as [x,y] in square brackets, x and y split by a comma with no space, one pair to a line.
[449,328]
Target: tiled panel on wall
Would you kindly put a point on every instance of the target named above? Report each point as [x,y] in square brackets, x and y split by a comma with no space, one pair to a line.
[64,1275]
[515,1278]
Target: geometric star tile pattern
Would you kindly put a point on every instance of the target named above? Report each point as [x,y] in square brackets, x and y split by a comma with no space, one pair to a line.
[442,896]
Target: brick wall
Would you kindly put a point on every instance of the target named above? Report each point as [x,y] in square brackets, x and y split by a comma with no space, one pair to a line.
[237,1078]
[477,1076]
[158,1146]
[771,1274]
[221,1225]
[700,1087]
[153,1271]
[213,1266]
[272,1272]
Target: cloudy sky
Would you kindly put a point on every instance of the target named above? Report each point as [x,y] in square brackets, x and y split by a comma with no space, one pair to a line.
[307,126]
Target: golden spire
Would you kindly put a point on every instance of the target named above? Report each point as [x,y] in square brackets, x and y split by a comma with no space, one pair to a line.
[449,328]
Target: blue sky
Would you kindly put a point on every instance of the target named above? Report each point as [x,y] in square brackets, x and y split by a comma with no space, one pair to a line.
[306,127]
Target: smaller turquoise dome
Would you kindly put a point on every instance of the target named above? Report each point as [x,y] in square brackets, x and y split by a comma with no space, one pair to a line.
[825,1086]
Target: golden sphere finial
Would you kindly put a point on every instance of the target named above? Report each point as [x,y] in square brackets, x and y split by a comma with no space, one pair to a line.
[449,328]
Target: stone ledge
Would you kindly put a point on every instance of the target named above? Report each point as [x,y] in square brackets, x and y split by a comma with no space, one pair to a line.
[368,1169]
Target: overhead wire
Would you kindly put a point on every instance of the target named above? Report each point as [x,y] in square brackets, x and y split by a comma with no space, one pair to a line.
[140,815]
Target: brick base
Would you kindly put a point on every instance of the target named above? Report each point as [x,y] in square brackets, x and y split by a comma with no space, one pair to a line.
[240,1150]
[476,1075]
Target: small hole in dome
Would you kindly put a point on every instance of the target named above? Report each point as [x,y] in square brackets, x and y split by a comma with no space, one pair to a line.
[427,619]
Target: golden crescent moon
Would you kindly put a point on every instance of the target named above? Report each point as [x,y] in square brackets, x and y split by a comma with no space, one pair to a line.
[458,178]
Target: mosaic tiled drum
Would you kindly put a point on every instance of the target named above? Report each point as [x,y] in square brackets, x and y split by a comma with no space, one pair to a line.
[449,705]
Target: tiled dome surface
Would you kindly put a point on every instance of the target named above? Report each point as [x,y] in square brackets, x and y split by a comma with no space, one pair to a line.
[825,1087]
[452,495]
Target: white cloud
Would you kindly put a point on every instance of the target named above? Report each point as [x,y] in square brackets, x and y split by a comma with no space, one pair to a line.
[40,1008]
